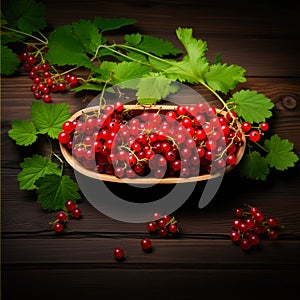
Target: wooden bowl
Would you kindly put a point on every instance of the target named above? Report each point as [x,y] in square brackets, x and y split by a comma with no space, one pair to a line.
[142,180]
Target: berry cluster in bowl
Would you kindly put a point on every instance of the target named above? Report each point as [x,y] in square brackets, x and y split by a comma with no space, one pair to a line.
[161,141]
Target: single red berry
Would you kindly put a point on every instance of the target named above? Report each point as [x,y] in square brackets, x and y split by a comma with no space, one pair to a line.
[62,216]
[119,253]
[47,98]
[235,236]
[272,221]
[146,244]
[76,213]
[64,137]
[254,136]
[245,244]
[151,226]
[173,228]
[70,205]
[264,126]
[238,212]
[58,227]
[246,126]
[273,234]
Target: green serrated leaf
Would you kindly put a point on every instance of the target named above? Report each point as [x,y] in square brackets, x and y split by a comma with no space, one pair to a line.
[88,87]
[9,61]
[34,168]
[281,155]
[48,119]
[251,106]
[66,49]
[154,88]
[106,24]
[224,78]
[152,44]
[88,35]
[26,15]
[23,132]
[53,191]
[254,166]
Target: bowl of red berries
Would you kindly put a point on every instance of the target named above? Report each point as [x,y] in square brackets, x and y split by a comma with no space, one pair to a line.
[166,144]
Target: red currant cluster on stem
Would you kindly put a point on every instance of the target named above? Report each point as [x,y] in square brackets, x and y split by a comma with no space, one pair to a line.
[165,226]
[46,79]
[72,211]
[250,224]
[254,133]
[167,143]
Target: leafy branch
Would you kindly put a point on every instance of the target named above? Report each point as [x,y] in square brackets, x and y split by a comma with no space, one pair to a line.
[145,58]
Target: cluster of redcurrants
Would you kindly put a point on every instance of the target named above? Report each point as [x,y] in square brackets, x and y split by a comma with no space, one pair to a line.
[72,211]
[250,224]
[255,133]
[164,225]
[185,141]
[44,80]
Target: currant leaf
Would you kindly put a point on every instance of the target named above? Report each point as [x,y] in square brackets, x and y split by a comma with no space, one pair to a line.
[281,155]
[152,44]
[254,166]
[106,24]
[26,15]
[65,48]
[9,61]
[34,168]
[88,35]
[23,132]
[252,106]
[223,78]
[53,191]
[154,88]
[48,119]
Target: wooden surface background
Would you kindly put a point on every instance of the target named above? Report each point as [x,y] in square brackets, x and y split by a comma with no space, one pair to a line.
[202,262]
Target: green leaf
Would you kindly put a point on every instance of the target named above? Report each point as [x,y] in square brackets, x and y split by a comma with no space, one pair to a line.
[66,49]
[23,132]
[223,78]
[254,166]
[26,15]
[54,190]
[34,168]
[154,88]
[106,24]
[152,44]
[88,87]
[88,35]
[281,155]
[48,119]
[251,106]
[9,61]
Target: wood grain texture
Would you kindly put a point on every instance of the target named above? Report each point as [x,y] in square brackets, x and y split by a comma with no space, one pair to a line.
[201,261]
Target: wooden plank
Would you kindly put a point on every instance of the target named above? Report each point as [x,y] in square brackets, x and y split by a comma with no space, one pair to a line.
[48,284]
[97,251]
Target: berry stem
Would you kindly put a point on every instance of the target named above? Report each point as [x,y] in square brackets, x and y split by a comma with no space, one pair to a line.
[27,34]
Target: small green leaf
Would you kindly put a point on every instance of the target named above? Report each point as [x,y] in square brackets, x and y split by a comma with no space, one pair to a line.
[26,15]
[9,61]
[224,78]
[54,190]
[251,106]
[23,132]
[254,166]
[48,119]
[88,35]
[154,88]
[65,48]
[106,24]
[152,44]
[281,155]
[34,168]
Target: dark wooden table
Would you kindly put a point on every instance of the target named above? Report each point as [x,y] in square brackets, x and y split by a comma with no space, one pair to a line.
[202,262]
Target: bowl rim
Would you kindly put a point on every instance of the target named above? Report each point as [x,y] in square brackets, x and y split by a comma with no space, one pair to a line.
[147,180]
